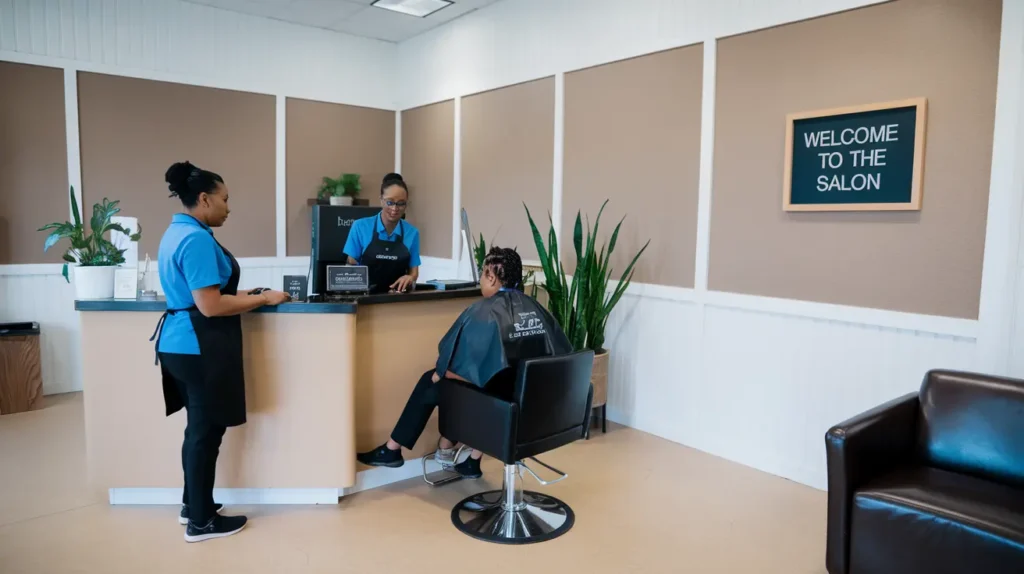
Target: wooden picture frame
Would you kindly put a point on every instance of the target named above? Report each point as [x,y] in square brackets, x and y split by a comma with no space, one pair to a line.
[917,184]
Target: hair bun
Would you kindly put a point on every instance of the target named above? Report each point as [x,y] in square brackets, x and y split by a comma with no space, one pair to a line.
[177,176]
[392,177]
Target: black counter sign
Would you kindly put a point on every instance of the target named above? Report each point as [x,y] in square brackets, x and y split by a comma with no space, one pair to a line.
[861,158]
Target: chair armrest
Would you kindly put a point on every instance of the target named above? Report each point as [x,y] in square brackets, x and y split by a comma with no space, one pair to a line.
[858,450]
[470,416]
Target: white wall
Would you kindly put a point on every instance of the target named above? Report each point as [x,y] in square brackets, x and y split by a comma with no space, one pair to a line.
[195,44]
[180,42]
[752,379]
[519,40]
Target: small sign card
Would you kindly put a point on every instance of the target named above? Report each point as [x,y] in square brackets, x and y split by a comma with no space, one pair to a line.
[297,286]
[348,278]
[126,283]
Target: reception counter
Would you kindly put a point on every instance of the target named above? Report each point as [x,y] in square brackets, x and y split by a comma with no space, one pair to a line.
[324,380]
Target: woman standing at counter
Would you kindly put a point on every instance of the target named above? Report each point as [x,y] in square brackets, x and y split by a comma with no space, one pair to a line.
[388,246]
[199,340]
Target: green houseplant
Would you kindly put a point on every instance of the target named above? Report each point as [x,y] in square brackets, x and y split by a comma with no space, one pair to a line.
[582,303]
[93,254]
[340,191]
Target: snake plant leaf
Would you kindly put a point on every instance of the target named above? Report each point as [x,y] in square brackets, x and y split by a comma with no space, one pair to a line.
[74,210]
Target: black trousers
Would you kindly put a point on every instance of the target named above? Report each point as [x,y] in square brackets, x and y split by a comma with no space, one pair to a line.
[417,411]
[202,441]
[424,399]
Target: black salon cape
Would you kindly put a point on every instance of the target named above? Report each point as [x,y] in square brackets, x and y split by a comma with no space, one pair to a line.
[496,333]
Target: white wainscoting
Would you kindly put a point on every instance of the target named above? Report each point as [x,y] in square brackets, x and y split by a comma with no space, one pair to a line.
[757,387]
[50,301]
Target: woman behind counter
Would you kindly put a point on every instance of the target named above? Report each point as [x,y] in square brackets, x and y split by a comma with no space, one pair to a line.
[199,340]
[387,245]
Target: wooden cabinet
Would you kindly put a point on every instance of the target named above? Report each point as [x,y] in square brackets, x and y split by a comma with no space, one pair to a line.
[21,378]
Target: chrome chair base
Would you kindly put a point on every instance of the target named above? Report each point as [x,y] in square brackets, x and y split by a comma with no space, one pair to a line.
[537,518]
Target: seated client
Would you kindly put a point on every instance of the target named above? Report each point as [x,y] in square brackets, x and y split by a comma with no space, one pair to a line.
[482,348]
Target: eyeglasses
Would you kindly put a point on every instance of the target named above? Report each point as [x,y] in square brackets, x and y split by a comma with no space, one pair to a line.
[398,204]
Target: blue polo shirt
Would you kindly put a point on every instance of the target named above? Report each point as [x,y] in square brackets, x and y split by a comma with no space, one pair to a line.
[361,235]
[189,259]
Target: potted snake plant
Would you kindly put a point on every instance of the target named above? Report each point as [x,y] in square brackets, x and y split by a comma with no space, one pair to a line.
[583,302]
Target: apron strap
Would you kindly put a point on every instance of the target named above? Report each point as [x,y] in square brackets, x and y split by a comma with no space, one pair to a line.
[159,331]
[156,337]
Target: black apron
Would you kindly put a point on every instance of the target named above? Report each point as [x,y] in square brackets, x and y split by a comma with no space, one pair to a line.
[220,395]
[386,261]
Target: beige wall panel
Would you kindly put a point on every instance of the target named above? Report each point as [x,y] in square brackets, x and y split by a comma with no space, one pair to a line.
[328,140]
[507,160]
[428,164]
[132,130]
[33,161]
[632,136]
[922,262]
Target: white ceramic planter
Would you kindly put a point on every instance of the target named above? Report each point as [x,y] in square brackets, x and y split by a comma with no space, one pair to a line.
[94,282]
[341,200]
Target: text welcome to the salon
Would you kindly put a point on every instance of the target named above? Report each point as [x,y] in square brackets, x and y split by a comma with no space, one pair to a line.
[865,157]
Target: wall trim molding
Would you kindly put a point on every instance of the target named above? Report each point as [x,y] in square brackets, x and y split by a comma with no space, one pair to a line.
[946,326]
[225,83]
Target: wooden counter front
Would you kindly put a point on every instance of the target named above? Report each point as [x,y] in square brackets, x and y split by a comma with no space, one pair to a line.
[299,372]
[320,386]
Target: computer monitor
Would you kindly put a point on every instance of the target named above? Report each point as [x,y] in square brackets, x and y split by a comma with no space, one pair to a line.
[470,241]
[331,225]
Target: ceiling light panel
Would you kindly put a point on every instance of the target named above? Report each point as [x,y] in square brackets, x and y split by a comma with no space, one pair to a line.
[418,8]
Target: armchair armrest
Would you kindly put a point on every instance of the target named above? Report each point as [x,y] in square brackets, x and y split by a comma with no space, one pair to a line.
[857,450]
[469,415]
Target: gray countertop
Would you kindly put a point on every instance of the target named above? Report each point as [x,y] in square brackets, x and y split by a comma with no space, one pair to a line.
[345,305]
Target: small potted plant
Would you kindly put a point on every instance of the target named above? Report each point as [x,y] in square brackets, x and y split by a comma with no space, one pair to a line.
[94,256]
[340,191]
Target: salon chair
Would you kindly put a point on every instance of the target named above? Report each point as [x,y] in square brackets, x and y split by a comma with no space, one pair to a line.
[930,483]
[550,408]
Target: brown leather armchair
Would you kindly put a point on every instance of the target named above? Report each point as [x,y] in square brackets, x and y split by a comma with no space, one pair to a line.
[932,482]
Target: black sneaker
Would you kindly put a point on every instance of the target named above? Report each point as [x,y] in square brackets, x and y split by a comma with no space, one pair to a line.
[183,516]
[217,527]
[382,456]
[469,468]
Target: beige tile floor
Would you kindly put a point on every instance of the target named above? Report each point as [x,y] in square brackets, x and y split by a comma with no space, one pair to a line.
[643,504]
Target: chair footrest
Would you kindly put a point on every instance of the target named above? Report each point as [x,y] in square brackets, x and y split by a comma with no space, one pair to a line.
[443,475]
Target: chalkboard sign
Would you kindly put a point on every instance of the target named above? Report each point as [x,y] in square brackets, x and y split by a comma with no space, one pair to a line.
[861,158]
[348,279]
[296,286]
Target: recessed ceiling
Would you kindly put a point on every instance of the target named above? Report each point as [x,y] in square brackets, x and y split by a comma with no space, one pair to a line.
[356,17]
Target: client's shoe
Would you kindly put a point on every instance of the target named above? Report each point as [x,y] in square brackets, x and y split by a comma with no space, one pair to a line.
[382,456]
[217,527]
[183,515]
[469,468]
[445,456]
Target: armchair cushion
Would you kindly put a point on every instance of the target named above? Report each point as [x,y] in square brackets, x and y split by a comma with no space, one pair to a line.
[967,524]
[973,424]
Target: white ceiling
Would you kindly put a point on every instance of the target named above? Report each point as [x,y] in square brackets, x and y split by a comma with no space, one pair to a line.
[356,17]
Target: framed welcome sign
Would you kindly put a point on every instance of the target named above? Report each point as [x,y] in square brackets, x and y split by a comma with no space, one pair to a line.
[859,158]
